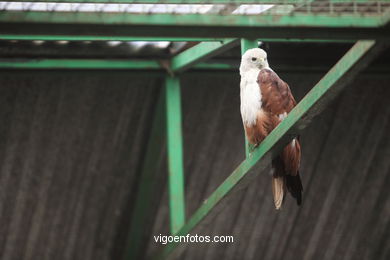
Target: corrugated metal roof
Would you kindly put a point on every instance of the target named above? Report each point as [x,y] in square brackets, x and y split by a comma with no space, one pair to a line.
[182,8]
[279,7]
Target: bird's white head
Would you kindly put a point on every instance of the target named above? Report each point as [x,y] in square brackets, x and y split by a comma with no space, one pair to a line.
[255,58]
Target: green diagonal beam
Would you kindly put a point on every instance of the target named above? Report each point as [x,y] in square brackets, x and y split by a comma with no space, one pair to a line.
[200,52]
[175,154]
[146,183]
[354,61]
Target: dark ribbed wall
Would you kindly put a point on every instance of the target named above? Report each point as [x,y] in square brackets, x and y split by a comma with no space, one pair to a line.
[70,147]
[72,143]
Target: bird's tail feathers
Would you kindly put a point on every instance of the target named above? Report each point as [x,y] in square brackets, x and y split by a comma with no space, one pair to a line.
[278,182]
[278,190]
[294,186]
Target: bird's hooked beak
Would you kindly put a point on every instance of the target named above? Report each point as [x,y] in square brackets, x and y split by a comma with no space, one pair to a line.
[261,63]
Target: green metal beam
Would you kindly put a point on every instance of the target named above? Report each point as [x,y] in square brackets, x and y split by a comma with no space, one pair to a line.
[247,44]
[305,40]
[175,154]
[200,52]
[78,64]
[146,65]
[97,64]
[356,59]
[101,38]
[32,37]
[208,20]
[146,182]
[311,26]
[359,1]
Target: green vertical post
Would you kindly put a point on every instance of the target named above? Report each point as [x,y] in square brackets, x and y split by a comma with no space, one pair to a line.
[246,45]
[175,154]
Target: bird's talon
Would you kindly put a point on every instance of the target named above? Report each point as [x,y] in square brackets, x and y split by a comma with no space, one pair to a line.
[252,147]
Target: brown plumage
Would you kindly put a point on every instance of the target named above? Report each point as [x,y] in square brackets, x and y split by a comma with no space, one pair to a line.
[265,102]
[276,102]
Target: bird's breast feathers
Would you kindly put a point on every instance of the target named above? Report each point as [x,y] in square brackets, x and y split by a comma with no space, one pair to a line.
[263,90]
[250,94]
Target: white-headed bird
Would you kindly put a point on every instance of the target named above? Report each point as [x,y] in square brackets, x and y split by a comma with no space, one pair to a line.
[265,102]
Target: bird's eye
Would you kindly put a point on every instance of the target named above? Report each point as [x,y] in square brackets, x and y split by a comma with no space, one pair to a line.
[254,59]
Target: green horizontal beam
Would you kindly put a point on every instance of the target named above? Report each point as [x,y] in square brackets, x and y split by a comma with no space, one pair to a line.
[97,64]
[359,1]
[200,52]
[147,182]
[77,64]
[22,37]
[100,38]
[305,40]
[305,26]
[356,59]
[148,65]
[207,20]
[175,154]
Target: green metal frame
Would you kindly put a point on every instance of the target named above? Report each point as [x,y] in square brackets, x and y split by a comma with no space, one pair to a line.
[208,20]
[268,26]
[175,153]
[23,37]
[38,37]
[217,34]
[356,59]
[200,52]
[65,64]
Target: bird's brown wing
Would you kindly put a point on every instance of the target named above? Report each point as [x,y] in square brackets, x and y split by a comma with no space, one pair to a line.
[276,95]
[277,102]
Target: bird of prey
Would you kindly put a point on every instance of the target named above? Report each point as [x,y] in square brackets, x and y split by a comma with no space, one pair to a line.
[265,102]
